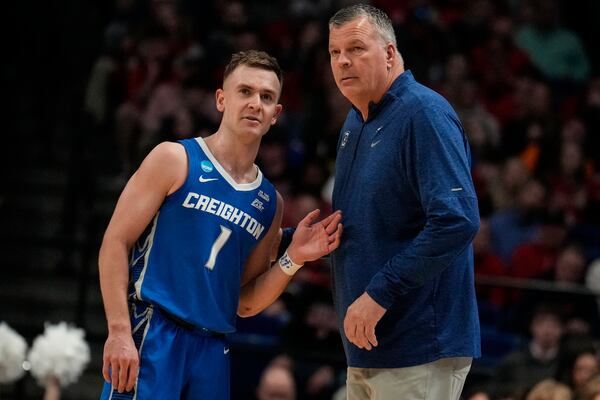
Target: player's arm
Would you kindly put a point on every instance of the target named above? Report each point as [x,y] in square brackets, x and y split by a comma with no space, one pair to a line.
[262,285]
[161,173]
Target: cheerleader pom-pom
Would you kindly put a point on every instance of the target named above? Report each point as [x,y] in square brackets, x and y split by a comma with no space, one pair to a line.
[61,353]
[12,354]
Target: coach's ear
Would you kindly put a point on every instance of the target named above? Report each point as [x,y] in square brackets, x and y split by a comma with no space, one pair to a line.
[278,110]
[220,100]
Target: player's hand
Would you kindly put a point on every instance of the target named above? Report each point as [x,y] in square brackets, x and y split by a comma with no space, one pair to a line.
[313,240]
[361,318]
[120,362]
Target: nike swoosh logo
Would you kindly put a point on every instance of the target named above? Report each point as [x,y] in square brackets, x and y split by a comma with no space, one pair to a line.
[225,351]
[373,144]
[204,180]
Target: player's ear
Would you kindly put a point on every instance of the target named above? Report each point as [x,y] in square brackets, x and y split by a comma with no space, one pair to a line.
[220,100]
[278,110]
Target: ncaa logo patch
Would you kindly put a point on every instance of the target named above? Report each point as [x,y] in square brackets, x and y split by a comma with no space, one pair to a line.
[206,166]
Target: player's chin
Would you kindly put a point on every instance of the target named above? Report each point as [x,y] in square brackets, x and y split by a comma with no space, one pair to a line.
[255,132]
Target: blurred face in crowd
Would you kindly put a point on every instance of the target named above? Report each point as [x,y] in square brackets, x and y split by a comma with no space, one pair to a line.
[531,195]
[586,365]
[479,396]
[276,384]
[249,101]
[514,174]
[571,158]
[570,266]
[360,61]
[546,330]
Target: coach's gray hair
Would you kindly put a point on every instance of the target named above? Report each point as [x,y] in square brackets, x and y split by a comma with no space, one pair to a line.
[378,18]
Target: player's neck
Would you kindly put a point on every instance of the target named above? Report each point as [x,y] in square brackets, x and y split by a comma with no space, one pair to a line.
[235,156]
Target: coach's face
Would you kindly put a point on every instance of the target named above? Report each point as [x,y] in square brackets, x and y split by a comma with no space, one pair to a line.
[360,61]
[249,100]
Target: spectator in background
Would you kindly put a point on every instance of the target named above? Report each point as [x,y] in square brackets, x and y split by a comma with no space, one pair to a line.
[575,367]
[519,223]
[513,177]
[554,50]
[535,258]
[488,263]
[496,64]
[481,126]
[539,360]
[549,389]
[591,389]
[568,185]
[531,134]
[276,383]
[478,395]
[577,310]
[586,365]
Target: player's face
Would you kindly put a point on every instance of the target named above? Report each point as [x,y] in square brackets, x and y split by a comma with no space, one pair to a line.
[249,100]
[358,60]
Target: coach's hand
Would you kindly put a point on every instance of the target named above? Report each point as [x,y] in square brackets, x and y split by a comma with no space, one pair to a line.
[360,321]
[120,361]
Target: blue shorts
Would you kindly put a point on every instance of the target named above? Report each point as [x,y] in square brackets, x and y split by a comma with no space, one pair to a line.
[175,362]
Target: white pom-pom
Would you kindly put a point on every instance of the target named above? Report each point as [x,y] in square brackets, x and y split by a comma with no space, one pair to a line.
[61,352]
[12,354]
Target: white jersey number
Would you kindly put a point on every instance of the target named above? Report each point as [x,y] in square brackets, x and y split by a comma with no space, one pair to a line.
[217,246]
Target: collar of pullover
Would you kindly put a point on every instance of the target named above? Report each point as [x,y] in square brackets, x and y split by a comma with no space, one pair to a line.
[399,84]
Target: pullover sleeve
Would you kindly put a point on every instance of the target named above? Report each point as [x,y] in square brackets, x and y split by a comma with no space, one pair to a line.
[436,160]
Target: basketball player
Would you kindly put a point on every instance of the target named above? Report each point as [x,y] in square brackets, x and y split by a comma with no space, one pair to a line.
[194,224]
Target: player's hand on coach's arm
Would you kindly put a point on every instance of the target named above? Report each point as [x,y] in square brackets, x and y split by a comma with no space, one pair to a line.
[361,318]
[313,240]
[121,361]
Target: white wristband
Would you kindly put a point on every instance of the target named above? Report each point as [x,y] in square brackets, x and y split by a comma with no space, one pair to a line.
[287,265]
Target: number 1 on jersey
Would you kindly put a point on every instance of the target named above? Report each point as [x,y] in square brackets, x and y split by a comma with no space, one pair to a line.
[217,246]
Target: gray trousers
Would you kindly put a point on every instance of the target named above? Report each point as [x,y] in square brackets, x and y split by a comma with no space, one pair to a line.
[439,380]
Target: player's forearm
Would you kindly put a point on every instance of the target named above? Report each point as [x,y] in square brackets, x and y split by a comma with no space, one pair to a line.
[114,278]
[262,291]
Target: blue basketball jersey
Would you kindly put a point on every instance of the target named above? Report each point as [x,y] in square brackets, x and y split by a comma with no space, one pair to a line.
[190,259]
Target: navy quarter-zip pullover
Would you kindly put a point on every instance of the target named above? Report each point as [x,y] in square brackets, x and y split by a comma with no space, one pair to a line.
[403,183]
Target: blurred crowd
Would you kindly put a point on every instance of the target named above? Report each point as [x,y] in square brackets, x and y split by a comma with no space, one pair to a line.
[528,94]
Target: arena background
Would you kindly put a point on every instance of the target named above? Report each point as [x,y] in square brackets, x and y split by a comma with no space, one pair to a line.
[91,86]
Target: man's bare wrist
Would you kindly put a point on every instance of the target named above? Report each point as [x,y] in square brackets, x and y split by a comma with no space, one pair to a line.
[119,327]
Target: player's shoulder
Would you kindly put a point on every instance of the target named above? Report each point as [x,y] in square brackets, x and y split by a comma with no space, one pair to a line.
[169,150]
[168,160]
[167,155]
